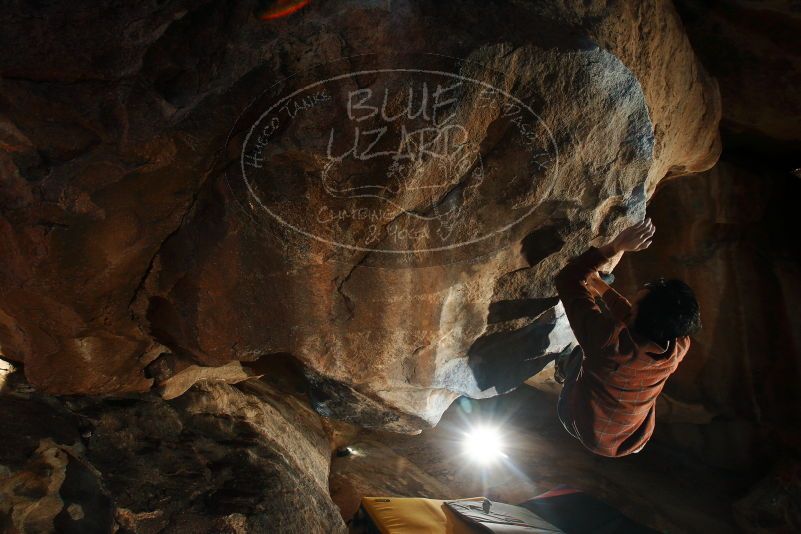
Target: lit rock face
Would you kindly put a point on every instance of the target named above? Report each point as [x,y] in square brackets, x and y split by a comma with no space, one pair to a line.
[219,459]
[132,226]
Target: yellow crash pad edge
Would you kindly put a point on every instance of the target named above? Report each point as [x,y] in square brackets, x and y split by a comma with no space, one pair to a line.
[414,515]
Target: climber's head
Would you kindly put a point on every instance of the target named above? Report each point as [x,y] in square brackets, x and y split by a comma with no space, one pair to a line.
[664,310]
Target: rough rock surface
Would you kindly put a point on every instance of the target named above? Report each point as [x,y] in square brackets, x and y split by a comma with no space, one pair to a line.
[123,238]
[219,459]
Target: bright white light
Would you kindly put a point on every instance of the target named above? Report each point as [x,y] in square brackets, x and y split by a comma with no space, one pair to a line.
[483,445]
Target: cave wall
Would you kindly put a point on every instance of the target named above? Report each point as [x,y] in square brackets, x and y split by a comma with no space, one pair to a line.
[751,48]
[729,232]
[130,265]
[725,233]
[124,241]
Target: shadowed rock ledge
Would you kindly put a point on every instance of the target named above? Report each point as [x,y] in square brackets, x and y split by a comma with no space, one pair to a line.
[219,459]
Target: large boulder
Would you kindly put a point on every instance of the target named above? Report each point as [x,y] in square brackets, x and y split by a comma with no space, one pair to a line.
[219,459]
[151,203]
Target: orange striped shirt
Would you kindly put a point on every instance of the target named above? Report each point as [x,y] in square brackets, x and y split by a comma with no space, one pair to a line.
[612,403]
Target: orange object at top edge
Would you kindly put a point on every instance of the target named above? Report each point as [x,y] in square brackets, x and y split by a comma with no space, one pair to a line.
[283,8]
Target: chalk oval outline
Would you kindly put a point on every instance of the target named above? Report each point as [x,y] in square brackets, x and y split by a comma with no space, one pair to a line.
[301,231]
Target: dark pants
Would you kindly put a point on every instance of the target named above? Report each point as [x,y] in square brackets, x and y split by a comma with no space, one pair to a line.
[572,368]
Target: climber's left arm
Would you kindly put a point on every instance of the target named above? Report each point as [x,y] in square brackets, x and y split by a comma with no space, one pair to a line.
[617,303]
[593,329]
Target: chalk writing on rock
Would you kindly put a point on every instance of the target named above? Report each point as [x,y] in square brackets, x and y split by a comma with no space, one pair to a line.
[396,161]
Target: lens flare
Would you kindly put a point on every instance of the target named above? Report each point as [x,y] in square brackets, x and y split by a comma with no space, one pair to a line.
[281,8]
[484,445]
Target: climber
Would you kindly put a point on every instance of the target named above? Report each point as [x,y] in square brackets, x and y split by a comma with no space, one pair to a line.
[626,350]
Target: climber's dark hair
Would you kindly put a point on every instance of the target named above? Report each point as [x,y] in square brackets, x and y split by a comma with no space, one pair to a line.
[669,310]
